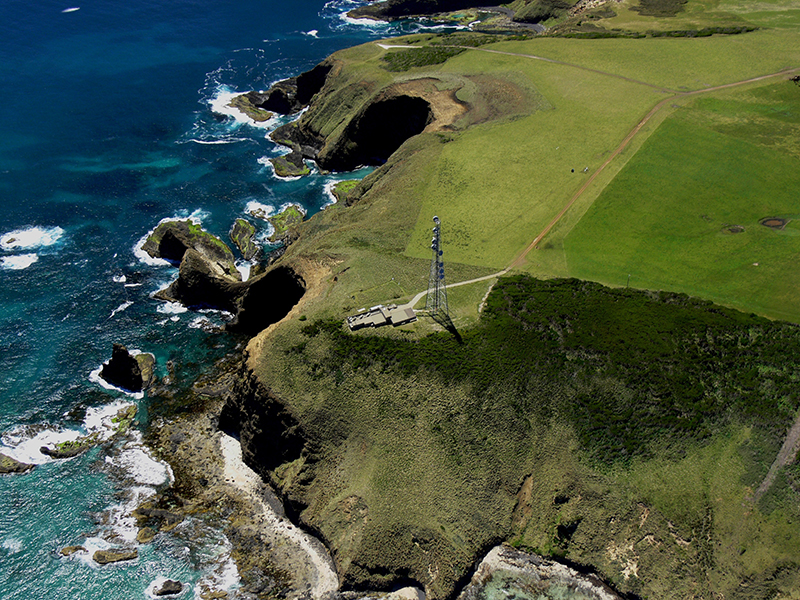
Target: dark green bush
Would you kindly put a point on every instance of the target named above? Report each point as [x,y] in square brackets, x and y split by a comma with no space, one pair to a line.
[626,368]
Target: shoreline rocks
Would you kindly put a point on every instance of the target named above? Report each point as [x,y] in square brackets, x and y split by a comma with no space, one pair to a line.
[10,465]
[169,588]
[114,555]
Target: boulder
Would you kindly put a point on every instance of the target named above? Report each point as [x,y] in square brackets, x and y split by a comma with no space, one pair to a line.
[70,550]
[113,555]
[10,465]
[123,370]
[169,588]
[145,535]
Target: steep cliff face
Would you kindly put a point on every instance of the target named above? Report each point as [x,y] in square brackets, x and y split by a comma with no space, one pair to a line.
[269,433]
[362,123]
[267,299]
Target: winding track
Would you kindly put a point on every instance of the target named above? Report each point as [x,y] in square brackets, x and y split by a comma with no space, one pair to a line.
[517,262]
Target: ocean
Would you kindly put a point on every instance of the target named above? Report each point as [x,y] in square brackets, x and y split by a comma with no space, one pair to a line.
[114,118]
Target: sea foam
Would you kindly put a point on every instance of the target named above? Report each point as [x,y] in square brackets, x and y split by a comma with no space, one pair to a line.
[24,443]
[33,237]
[18,262]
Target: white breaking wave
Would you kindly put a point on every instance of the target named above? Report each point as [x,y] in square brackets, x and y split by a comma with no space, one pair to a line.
[213,142]
[328,189]
[172,308]
[18,262]
[120,308]
[244,268]
[119,279]
[13,545]
[138,463]
[94,377]
[24,443]
[258,210]
[312,33]
[33,237]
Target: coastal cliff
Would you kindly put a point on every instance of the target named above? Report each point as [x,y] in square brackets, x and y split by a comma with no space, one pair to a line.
[623,431]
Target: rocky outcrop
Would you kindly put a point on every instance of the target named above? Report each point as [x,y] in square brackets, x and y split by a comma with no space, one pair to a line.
[529,575]
[201,283]
[169,588]
[243,235]
[127,371]
[114,555]
[292,164]
[172,239]
[70,550]
[10,465]
[290,95]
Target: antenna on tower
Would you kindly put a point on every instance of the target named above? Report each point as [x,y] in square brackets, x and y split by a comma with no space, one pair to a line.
[436,300]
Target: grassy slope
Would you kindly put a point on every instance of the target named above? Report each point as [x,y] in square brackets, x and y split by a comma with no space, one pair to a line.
[432,439]
[496,185]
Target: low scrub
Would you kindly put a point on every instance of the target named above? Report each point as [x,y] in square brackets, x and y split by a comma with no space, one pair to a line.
[626,368]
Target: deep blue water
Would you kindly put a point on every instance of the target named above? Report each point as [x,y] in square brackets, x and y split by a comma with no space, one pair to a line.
[106,129]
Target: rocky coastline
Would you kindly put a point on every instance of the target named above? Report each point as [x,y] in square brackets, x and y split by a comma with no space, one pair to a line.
[224,458]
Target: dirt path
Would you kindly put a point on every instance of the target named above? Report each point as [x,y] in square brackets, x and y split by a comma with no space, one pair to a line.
[517,262]
[786,456]
[520,259]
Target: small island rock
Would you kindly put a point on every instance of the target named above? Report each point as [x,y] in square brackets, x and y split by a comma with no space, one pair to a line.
[123,370]
[169,588]
[70,550]
[113,555]
[243,234]
[172,239]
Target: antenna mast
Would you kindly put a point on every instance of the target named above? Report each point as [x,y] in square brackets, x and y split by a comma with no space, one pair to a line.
[436,300]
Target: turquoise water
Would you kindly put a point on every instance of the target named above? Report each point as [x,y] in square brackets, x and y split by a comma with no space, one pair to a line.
[108,126]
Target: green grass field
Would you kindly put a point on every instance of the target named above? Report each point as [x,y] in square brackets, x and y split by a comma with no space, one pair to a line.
[665,222]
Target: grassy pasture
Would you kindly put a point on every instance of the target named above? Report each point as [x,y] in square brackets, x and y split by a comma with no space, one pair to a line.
[681,64]
[719,162]
[497,184]
[707,13]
